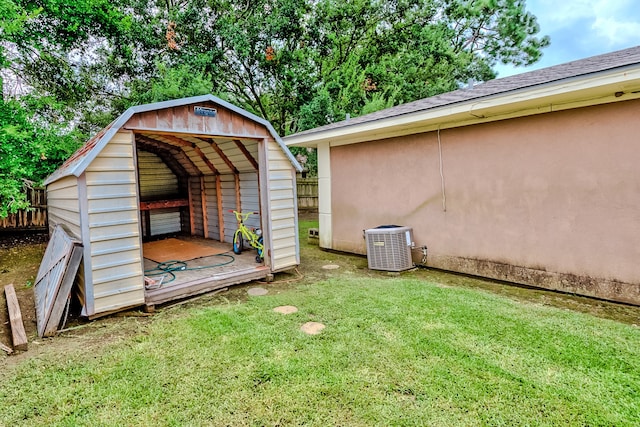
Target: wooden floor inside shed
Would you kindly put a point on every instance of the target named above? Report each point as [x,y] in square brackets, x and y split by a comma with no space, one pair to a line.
[202,274]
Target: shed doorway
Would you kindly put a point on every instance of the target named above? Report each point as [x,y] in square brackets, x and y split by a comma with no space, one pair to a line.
[188,188]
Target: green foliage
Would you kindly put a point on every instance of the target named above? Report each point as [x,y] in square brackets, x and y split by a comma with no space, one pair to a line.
[28,153]
[297,63]
[308,159]
[168,83]
[317,112]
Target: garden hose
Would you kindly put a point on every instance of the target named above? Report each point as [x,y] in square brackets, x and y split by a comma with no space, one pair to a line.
[170,267]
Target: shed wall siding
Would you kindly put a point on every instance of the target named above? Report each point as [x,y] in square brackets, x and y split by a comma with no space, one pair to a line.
[549,200]
[283,208]
[63,207]
[113,215]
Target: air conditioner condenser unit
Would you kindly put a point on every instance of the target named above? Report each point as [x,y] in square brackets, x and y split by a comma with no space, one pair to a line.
[389,247]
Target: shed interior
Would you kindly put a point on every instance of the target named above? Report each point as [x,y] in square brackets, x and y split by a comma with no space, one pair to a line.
[188,187]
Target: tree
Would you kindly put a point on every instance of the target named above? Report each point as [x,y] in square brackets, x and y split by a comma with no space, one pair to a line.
[297,63]
[272,57]
[282,58]
[28,153]
[399,51]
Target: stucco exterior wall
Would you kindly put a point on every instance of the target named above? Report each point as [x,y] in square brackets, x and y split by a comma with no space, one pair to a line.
[551,200]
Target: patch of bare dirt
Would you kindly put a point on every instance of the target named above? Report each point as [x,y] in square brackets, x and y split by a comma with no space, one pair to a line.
[312,328]
[20,256]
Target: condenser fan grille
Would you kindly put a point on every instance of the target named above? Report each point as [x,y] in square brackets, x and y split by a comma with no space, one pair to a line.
[389,248]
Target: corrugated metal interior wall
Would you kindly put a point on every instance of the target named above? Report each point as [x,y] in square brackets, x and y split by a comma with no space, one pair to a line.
[196,207]
[155,178]
[212,207]
[157,182]
[208,173]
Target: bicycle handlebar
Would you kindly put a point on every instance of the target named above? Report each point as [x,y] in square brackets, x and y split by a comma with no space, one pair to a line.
[242,216]
[243,213]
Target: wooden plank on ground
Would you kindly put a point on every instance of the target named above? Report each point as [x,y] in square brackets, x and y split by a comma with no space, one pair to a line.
[6,349]
[18,334]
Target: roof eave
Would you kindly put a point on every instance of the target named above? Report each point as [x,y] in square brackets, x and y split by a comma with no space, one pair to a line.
[597,88]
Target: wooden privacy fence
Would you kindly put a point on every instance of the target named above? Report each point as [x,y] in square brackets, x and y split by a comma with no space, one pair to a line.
[307,193]
[34,217]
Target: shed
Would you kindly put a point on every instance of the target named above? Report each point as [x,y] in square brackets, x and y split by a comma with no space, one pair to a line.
[176,168]
[531,179]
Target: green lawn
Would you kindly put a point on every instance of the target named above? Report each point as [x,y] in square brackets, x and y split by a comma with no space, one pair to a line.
[395,351]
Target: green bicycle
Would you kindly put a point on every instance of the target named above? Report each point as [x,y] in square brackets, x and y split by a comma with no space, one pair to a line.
[252,236]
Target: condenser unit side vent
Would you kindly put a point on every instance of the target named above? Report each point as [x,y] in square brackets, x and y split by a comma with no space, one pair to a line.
[389,248]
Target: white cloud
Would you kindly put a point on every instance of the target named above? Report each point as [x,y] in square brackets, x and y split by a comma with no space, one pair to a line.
[582,28]
[617,32]
[553,14]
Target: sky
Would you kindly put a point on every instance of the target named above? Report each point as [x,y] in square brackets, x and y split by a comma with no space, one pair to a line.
[582,28]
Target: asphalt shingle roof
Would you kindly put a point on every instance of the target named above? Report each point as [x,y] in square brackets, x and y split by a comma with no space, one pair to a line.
[569,70]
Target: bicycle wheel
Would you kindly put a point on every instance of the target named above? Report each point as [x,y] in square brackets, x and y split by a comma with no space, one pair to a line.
[260,251]
[260,256]
[237,243]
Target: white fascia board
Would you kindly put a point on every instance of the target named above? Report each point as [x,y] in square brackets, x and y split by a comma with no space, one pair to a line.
[580,91]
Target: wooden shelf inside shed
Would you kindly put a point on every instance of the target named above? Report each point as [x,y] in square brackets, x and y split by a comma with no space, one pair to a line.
[163,204]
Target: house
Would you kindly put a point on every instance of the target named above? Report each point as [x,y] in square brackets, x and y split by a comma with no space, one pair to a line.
[532,179]
[175,168]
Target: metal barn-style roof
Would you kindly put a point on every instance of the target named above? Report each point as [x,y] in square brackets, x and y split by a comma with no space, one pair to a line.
[78,162]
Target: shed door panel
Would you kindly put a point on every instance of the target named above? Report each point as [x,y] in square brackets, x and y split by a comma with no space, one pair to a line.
[283,210]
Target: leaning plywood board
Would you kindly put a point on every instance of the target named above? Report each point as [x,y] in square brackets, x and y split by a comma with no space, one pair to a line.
[18,334]
[54,280]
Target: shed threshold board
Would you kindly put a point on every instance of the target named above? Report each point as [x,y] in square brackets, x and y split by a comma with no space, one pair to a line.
[204,274]
[206,284]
